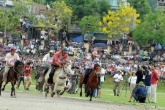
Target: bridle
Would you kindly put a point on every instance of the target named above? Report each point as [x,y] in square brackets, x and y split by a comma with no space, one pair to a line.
[16,70]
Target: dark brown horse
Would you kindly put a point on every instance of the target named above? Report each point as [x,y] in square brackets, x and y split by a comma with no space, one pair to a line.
[13,74]
[92,82]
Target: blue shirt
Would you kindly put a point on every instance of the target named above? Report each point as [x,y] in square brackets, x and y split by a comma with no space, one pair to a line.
[148,80]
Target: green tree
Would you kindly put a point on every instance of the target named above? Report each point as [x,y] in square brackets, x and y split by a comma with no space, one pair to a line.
[89,24]
[152,29]
[141,6]
[83,8]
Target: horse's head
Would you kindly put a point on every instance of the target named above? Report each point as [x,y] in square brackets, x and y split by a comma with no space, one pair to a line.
[18,66]
[97,68]
[67,69]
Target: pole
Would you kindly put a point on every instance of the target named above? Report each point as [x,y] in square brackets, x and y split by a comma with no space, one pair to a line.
[5,19]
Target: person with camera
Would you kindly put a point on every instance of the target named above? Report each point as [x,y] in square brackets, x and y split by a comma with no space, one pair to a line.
[140,93]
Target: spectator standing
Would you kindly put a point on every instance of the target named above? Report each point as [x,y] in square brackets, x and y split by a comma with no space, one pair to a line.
[118,78]
[27,76]
[148,84]
[132,80]
[154,82]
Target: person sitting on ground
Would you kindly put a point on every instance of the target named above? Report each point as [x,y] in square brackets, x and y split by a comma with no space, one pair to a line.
[140,93]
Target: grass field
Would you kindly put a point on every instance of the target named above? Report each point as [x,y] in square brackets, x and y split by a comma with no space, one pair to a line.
[107,93]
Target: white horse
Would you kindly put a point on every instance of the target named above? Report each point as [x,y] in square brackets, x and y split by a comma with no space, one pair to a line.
[59,79]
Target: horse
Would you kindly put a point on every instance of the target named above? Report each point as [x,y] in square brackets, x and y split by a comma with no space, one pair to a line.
[92,81]
[13,75]
[59,80]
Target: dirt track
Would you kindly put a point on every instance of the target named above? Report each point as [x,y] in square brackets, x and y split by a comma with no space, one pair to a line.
[28,101]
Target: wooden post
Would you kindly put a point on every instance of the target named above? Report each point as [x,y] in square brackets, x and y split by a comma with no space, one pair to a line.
[130,49]
[86,45]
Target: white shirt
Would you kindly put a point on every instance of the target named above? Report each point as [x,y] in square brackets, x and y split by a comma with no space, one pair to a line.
[47,58]
[102,75]
[118,78]
[11,58]
[94,61]
[132,79]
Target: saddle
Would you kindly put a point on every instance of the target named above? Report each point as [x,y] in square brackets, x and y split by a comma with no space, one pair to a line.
[51,74]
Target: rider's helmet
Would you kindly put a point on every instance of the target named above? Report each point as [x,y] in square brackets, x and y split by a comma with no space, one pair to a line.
[65,50]
[51,51]
[13,48]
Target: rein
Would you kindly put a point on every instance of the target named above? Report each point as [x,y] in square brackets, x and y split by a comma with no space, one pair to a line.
[16,68]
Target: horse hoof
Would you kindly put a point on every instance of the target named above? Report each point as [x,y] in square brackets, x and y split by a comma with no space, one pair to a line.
[14,96]
[52,94]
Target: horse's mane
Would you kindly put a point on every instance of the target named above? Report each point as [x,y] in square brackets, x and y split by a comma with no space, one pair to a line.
[18,62]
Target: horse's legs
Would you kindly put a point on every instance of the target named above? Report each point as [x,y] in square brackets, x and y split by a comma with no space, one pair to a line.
[65,88]
[81,90]
[0,87]
[91,93]
[12,88]
[4,87]
[55,90]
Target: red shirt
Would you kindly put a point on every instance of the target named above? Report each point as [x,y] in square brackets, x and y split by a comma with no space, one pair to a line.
[154,77]
[59,58]
[27,70]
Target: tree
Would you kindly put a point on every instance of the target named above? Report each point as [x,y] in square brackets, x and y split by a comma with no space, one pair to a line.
[141,6]
[122,21]
[62,12]
[10,17]
[83,8]
[89,24]
[152,29]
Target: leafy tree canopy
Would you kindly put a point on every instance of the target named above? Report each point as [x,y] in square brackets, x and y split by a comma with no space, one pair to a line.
[141,6]
[122,21]
[152,29]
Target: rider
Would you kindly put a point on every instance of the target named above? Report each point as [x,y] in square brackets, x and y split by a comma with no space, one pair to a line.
[58,59]
[10,59]
[47,59]
[90,62]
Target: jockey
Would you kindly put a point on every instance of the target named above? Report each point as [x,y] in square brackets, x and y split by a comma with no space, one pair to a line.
[90,62]
[10,59]
[59,57]
[47,59]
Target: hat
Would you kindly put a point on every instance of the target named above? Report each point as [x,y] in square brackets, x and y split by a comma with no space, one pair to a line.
[13,48]
[94,53]
[65,50]
[141,83]
[51,51]
[119,71]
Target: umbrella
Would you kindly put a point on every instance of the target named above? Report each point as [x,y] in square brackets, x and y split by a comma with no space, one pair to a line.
[100,44]
[121,60]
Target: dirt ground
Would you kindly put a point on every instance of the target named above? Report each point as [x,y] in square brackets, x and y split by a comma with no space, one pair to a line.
[29,101]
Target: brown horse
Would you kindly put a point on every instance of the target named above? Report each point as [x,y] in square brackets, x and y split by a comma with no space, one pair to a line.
[92,81]
[13,74]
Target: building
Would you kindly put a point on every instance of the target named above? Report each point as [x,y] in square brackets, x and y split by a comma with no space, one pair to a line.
[161,3]
[116,3]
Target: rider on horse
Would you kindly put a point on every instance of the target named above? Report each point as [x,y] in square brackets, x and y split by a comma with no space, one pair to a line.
[10,59]
[90,62]
[58,58]
[47,59]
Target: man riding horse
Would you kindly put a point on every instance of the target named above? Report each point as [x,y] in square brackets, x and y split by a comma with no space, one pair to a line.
[10,59]
[47,59]
[57,61]
[90,62]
